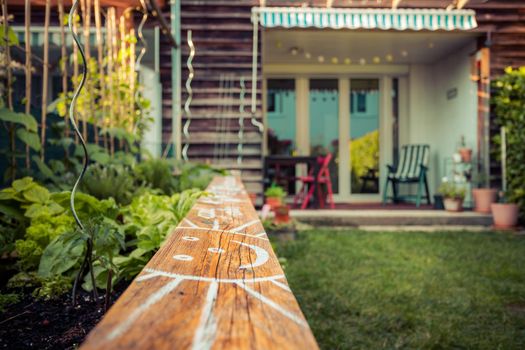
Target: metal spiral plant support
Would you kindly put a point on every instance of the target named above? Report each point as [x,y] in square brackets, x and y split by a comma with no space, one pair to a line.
[241,122]
[143,50]
[186,129]
[87,258]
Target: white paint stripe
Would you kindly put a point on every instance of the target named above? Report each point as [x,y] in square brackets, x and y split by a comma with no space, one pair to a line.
[207,279]
[207,330]
[190,223]
[219,230]
[261,259]
[297,319]
[250,223]
[281,285]
[153,299]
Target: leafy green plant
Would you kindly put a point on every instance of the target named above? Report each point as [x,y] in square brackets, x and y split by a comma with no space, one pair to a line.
[275,191]
[156,174]
[452,190]
[8,299]
[194,175]
[109,181]
[509,106]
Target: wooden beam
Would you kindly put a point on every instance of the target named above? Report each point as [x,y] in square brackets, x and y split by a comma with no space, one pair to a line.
[395,3]
[461,3]
[215,283]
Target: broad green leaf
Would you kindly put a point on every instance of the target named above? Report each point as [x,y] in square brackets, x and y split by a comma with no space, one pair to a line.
[60,256]
[12,38]
[29,138]
[11,211]
[101,158]
[35,210]
[23,184]
[42,167]
[37,194]
[27,120]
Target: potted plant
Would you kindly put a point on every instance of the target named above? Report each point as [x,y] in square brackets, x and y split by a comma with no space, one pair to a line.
[274,196]
[505,215]
[464,151]
[282,214]
[453,195]
[483,196]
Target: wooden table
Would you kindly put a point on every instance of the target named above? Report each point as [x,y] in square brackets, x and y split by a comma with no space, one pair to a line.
[277,161]
[214,284]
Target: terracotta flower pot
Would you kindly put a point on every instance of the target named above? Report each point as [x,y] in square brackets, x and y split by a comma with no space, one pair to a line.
[483,198]
[274,202]
[253,197]
[282,214]
[466,154]
[505,215]
[453,204]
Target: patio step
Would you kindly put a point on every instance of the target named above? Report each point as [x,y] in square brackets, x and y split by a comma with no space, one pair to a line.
[384,217]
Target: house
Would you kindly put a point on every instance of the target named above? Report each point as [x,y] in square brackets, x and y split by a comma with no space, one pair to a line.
[357,78]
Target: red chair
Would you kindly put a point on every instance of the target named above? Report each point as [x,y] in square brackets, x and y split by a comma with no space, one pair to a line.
[309,184]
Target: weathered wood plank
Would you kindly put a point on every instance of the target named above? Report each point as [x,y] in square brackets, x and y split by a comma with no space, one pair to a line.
[215,284]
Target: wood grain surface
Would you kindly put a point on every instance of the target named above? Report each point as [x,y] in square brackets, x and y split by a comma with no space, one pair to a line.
[214,284]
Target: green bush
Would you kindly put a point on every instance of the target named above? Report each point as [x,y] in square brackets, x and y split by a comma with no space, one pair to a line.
[452,190]
[157,174]
[508,100]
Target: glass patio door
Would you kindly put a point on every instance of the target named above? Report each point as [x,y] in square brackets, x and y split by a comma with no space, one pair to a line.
[364,144]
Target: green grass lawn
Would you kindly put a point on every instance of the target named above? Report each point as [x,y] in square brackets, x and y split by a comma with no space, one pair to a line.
[445,290]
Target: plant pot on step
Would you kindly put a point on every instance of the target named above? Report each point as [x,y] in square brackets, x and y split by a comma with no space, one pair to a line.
[453,204]
[282,214]
[253,197]
[483,198]
[466,154]
[505,215]
[274,202]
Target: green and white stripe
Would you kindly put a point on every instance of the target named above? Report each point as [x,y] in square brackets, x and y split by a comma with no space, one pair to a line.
[411,159]
[384,19]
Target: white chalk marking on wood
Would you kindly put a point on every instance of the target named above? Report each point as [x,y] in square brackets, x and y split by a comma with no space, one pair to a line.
[281,285]
[190,238]
[216,250]
[207,329]
[273,305]
[159,273]
[206,213]
[262,234]
[190,223]
[183,257]
[262,256]
[248,224]
[154,298]
[215,225]
[219,200]
[222,231]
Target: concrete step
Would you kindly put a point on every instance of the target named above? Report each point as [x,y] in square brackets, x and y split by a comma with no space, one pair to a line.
[380,217]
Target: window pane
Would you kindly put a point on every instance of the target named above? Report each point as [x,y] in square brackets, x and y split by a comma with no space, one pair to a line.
[324,123]
[280,108]
[364,135]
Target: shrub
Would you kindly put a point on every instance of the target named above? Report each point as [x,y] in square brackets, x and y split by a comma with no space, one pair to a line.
[508,100]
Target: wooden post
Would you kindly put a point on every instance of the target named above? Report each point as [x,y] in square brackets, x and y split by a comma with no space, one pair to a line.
[45,82]
[64,60]
[110,37]
[28,67]
[9,88]
[100,59]
[215,283]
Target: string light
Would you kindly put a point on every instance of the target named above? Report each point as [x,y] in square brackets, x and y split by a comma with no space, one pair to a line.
[335,60]
[320,59]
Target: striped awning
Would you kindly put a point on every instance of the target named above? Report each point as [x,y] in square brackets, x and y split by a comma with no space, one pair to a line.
[383,19]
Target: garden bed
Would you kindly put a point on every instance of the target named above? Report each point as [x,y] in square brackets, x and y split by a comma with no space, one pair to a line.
[52,324]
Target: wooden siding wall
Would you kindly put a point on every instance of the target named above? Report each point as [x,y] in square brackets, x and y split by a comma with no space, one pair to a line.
[222,35]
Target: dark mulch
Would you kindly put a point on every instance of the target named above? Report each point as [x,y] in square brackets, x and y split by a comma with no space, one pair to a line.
[54,324]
